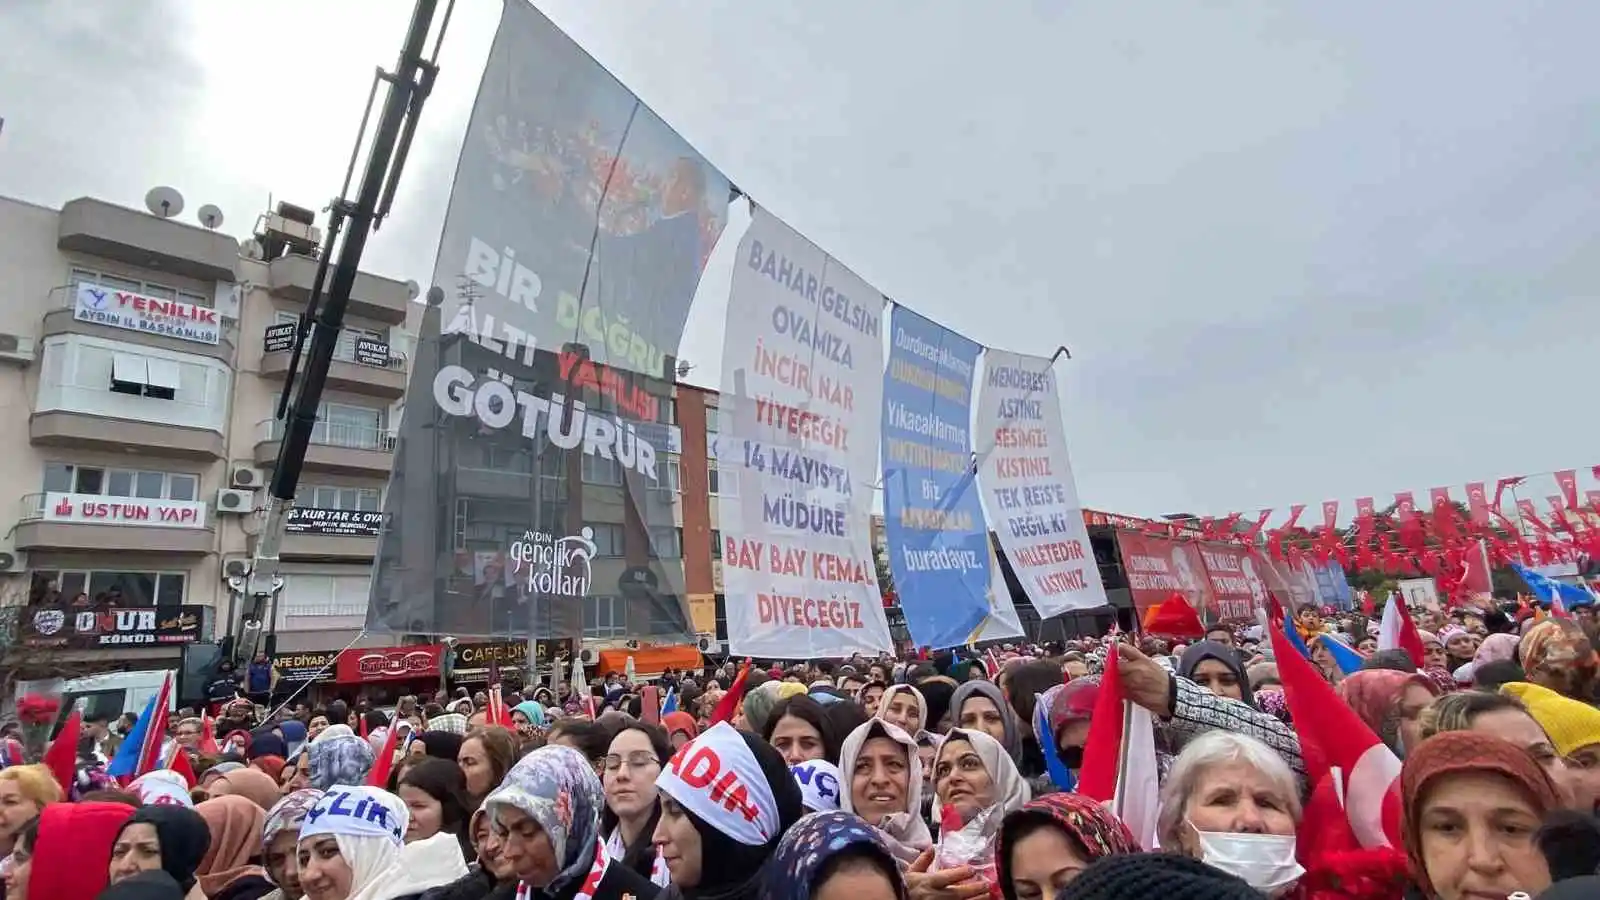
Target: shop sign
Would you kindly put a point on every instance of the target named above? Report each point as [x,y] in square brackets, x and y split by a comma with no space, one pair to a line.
[472,660]
[278,338]
[74,628]
[97,509]
[365,664]
[306,666]
[151,315]
[372,352]
[336,522]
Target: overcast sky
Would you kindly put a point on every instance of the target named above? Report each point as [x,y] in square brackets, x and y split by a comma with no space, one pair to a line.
[1299,251]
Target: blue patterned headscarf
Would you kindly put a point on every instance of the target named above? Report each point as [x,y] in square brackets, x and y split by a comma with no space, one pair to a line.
[792,872]
[337,756]
[556,786]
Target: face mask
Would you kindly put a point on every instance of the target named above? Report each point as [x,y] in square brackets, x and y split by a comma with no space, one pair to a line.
[1264,861]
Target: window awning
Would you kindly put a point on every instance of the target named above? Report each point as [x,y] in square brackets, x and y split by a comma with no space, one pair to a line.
[161,373]
[129,368]
[650,660]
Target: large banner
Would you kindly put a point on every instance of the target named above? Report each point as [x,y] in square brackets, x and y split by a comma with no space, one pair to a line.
[797,422]
[1157,567]
[933,517]
[1003,621]
[1028,489]
[529,494]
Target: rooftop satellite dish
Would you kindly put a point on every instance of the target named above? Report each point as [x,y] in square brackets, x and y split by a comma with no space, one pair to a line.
[252,249]
[413,290]
[164,201]
[210,216]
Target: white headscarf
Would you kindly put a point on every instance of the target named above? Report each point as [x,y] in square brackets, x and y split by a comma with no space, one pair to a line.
[382,867]
[905,832]
[922,704]
[1011,790]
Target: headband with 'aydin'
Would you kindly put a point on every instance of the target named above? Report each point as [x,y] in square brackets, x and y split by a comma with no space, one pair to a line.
[716,777]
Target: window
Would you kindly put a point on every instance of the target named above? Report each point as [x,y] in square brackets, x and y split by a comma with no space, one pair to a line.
[716,544]
[666,543]
[147,376]
[599,470]
[90,587]
[341,425]
[721,484]
[667,411]
[330,497]
[135,286]
[73,479]
[711,419]
[608,540]
[603,617]
[669,473]
[325,595]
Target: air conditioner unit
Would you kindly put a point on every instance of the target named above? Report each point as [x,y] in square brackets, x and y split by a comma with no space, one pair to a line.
[235,502]
[237,567]
[246,477]
[589,656]
[706,642]
[13,561]
[17,349]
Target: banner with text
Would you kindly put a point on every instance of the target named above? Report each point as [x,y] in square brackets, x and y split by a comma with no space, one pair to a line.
[529,493]
[1156,567]
[1242,578]
[1003,621]
[797,422]
[933,518]
[1027,483]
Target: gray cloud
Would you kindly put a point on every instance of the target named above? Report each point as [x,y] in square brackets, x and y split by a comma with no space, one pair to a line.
[1299,251]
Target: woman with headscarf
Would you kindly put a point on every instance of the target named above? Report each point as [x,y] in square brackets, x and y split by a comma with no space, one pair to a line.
[1216,668]
[352,847]
[1390,703]
[727,800]
[883,784]
[1472,805]
[832,856]
[171,838]
[231,869]
[251,784]
[936,694]
[547,815]
[975,785]
[681,727]
[279,836]
[980,705]
[57,853]
[1459,646]
[1044,845]
[338,756]
[1061,731]
[903,707]
[1557,655]
[526,716]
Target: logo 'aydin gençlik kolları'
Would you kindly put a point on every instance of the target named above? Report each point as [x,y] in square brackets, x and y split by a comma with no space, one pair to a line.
[554,566]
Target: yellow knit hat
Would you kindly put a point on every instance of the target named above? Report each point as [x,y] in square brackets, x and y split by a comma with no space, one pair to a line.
[1571,725]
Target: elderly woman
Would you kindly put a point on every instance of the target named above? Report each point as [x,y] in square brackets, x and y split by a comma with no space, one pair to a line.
[1231,802]
[1473,804]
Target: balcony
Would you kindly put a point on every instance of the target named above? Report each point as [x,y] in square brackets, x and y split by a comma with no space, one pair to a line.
[75,522]
[61,317]
[380,299]
[337,448]
[364,366]
[140,239]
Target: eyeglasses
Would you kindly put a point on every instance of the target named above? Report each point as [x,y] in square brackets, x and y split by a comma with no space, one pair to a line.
[638,759]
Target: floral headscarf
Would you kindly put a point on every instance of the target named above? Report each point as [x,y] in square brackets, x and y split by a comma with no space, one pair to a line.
[1375,695]
[1096,831]
[1495,648]
[288,814]
[792,872]
[557,787]
[337,756]
[1553,645]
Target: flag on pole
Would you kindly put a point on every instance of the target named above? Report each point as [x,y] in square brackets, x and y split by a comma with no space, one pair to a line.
[61,757]
[1119,761]
[670,705]
[1398,632]
[141,749]
[208,735]
[1345,657]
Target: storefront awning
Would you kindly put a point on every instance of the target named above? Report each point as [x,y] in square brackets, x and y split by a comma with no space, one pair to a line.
[650,661]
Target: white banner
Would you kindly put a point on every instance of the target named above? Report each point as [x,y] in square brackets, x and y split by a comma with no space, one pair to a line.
[1028,491]
[97,509]
[151,315]
[798,424]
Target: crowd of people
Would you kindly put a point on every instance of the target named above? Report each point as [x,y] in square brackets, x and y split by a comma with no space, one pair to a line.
[944,777]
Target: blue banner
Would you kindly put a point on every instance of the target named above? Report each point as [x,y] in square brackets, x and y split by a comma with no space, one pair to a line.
[1333,587]
[933,516]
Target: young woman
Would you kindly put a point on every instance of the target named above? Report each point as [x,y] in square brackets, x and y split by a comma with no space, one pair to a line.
[174,839]
[1044,846]
[633,804]
[485,757]
[800,730]
[832,856]
[435,794]
[279,836]
[352,847]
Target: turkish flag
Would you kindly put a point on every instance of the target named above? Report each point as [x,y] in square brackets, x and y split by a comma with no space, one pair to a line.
[1364,507]
[1438,497]
[1478,502]
[1405,504]
[1330,513]
[1568,480]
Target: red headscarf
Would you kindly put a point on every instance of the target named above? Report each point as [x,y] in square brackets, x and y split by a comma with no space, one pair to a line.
[71,835]
[1375,696]
[1455,752]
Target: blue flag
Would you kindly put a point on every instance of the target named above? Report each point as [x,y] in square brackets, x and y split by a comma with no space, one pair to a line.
[1294,637]
[670,705]
[1346,658]
[126,760]
[1548,589]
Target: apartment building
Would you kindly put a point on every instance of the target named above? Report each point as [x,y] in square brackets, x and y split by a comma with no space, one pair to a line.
[142,358]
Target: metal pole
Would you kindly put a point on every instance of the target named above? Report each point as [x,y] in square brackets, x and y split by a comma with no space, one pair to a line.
[409,86]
